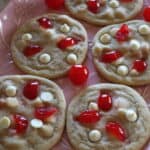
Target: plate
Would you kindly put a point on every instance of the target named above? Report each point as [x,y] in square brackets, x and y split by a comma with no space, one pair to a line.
[15,14]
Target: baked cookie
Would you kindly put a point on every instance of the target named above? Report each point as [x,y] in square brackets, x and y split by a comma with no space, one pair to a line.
[104,12]
[121,52]
[49,45]
[32,113]
[108,117]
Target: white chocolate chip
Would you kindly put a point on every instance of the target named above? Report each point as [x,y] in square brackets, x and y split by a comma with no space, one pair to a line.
[4,123]
[134,45]
[72,59]
[113,31]
[45,58]
[119,61]
[93,106]
[95,135]
[64,28]
[37,102]
[133,72]
[114,3]
[11,91]
[12,102]
[47,130]
[26,36]
[47,97]
[51,119]
[122,70]
[121,102]
[131,115]
[105,38]
[36,123]
[144,29]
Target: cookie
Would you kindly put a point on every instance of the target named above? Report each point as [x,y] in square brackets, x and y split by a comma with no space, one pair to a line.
[108,117]
[104,12]
[49,45]
[121,52]
[32,113]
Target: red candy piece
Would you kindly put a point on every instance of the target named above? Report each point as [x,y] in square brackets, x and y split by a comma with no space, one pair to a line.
[67,42]
[45,22]
[123,33]
[32,50]
[116,130]
[88,117]
[78,74]
[93,6]
[105,102]
[146,13]
[21,124]
[110,56]
[43,113]
[54,4]
[140,65]
[31,90]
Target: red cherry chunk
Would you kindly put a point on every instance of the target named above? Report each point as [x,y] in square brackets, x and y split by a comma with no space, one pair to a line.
[54,4]
[105,102]
[110,56]
[21,124]
[31,90]
[45,23]
[146,13]
[93,6]
[123,33]
[88,117]
[116,130]
[67,42]
[140,65]
[43,113]
[78,74]
[32,50]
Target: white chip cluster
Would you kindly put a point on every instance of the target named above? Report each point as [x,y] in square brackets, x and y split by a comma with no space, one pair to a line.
[26,36]
[36,123]
[123,70]
[65,28]
[93,106]
[5,123]
[135,45]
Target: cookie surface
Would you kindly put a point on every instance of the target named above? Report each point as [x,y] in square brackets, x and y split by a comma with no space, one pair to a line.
[108,117]
[32,113]
[104,12]
[49,45]
[121,52]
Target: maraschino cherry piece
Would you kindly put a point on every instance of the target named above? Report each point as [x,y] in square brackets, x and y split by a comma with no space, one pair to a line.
[146,13]
[67,42]
[116,130]
[78,74]
[111,56]
[31,90]
[93,6]
[123,33]
[21,124]
[54,4]
[43,113]
[45,23]
[105,102]
[32,50]
[139,65]
[88,117]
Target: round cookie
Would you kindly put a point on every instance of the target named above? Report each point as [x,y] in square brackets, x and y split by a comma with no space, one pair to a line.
[108,117]
[121,52]
[104,12]
[49,45]
[32,113]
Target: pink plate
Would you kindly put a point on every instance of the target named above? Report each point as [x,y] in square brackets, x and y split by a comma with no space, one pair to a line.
[15,14]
